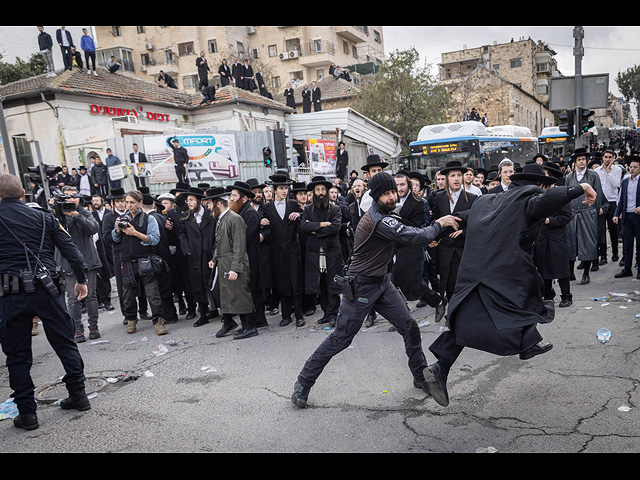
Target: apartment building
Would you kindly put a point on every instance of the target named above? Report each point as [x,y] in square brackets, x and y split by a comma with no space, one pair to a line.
[297,54]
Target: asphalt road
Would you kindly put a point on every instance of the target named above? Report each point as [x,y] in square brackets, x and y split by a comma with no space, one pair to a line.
[211,395]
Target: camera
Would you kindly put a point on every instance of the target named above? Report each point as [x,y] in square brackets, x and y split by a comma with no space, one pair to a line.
[125,221]
[63,202]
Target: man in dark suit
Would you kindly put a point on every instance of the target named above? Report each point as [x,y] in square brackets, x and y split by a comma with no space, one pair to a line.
[506,168]
[138,157]
[450,201]
[286,259]
[498,299]
[316,97]
[103,284]
[628,213]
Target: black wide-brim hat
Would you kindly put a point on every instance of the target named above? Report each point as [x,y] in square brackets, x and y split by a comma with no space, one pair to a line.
[279,179]
[253,183]
[242,187]
[214,193]
[580,152]
[299,187]
[374,161]
[453,166]
[196,192]
[319,180]
[553,169]
[180,188]
[533,172]
[116,193]
[424,180]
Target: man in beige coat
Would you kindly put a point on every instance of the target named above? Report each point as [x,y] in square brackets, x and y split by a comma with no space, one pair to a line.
[232,263]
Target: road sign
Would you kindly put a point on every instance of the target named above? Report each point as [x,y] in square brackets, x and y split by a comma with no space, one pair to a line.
[595,92]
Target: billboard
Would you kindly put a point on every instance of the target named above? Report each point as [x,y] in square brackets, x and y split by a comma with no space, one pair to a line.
[322,156]
[211,157]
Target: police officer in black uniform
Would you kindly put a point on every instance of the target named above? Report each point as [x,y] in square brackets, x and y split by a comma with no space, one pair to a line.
[31,287]
[368,285]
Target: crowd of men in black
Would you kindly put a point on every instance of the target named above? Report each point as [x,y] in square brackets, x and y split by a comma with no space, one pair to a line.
[292,265]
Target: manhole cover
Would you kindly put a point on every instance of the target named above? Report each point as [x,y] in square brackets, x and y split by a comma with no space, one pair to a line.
[58,391]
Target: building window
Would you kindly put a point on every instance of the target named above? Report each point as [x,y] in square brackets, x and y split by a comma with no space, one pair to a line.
[273,50]
[116,31]
[376,36]
[515,63]
[320,73]
[345,47]
[354,51]
[317,46]
[189,81]
[240,48]
[185,49]
[275,83]
[213,46]
[140,29]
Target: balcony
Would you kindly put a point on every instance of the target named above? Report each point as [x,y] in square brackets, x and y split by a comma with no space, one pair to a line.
[353,34]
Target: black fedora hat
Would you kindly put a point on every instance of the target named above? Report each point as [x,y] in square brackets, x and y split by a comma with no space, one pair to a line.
[533,172]
[242,187]
[318,180]
[116,193]
[453,166]
[553,169]
[424,180]
[180,187]
[374,161]
[254,183]
[215,192]
[580,152]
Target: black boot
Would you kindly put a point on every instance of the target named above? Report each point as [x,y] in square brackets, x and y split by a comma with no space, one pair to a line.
[300,395]
[28,421]
[77,400]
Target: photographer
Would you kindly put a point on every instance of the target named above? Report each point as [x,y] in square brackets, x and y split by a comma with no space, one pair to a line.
[82,226]
[138,233]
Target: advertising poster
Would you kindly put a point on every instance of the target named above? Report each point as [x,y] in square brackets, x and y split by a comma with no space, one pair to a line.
[322,155]
[211,157]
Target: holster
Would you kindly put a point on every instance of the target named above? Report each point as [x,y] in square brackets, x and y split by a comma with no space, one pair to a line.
[348,285]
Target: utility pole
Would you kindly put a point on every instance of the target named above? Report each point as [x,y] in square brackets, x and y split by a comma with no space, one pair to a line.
[578,53]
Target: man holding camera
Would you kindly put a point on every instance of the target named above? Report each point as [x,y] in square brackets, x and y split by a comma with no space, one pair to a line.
[28,240]
[82,226]
[137,233]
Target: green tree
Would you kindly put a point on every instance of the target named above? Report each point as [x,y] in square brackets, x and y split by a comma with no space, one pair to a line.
[629,84]
[404,97]
[36,65]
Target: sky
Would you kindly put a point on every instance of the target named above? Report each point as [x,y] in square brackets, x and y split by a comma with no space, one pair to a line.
[607,49]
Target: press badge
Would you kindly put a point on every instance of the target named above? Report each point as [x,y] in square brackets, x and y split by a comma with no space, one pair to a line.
[363,300]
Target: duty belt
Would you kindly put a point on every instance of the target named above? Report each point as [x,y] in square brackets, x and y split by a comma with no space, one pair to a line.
[363,280]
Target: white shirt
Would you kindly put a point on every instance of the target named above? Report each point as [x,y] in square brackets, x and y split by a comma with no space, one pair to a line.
[473,189]
[632,189]
[281,207]
[580,174]
[610,181]
[454,199]
[198,216]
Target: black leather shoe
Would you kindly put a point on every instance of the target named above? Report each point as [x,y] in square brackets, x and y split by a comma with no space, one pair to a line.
[585,279]
[27,421]
[285,321]
[190,316]
[299,322]
[300,395]
[108,306]
[77,400]
[565,302]
[226,329]
[615,258]
[580,266]
[603,261]
[309,311]
[213,314]
[595,267]
[201,321]
[623,273]
[245,334]
[537,349]
[437,383]
[441,309]
[423,384]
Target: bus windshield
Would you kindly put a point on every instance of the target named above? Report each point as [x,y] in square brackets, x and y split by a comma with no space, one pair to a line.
[428,159]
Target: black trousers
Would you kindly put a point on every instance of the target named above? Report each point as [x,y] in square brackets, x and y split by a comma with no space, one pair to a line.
[181,173]
[630,235]
[391,304]
[16,321]
[605,222]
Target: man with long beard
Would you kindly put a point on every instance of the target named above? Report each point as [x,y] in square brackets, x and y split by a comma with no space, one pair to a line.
[368,285]
[232,262]
[323,259]
[240,196]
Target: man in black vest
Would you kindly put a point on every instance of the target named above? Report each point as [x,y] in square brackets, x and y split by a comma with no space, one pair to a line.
[138,234]
[498,298]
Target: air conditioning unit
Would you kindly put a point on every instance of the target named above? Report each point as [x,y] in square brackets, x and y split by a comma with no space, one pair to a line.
[293,54]
[251,30]
[148,46]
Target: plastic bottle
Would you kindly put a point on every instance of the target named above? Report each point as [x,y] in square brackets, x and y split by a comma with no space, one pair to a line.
[603,335]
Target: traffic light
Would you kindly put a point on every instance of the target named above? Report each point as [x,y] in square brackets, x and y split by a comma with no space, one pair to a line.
[266,154]
[281,148]
[49,170]
[585,122]
[568,119]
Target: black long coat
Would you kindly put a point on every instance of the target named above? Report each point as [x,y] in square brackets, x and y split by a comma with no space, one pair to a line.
[342,163]
[197,242]
[408,267]
[450,249]
[552,252]
[327,238]
[290,96]
[266,278]
[252,221]
[286,260]
[306,101]
[498,257]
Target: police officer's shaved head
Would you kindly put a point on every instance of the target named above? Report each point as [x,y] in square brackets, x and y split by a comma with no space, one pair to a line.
[10,187]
